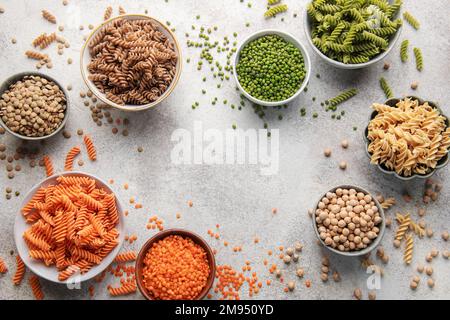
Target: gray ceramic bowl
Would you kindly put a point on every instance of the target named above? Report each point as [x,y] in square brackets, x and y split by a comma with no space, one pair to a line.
[392,41]
[13,79]
[441,163]
[373,245]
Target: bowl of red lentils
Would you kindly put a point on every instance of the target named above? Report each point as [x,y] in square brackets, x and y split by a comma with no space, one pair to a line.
[175,264]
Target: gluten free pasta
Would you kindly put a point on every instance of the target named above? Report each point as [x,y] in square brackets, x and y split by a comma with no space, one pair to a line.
[73,225]
[409,138]
[132,61]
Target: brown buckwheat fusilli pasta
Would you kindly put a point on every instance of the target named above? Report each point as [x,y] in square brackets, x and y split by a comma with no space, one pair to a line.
[132,61]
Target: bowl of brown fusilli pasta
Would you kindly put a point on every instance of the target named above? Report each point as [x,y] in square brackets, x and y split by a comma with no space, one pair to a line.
[131,62]
[408,138]
[69,228]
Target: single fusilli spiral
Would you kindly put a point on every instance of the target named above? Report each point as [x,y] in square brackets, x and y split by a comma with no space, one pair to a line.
[409,246]
[108,13]
[48,16]
[404,50]
[411,20]
[272,12]
[419,59]
[68,164]
[92,154]
[36,287]
[386,88]
[123,290]
[20,271]
[48,166]
[403,227]
[342,97]
[126,256]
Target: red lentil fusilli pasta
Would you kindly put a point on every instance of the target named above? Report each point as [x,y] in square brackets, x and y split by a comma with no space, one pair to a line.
[48,166]
[20,271]
[68,165]
[36,287]
[3,267]
[92,154]
[73,225]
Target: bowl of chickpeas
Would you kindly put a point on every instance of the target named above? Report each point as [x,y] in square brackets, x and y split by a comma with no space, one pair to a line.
[349,221]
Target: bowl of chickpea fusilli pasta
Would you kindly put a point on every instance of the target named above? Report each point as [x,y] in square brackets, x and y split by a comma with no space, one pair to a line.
[70,227]
[352,34]
[131,62]
[408,138]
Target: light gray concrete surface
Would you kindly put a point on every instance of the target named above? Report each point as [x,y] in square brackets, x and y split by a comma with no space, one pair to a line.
[237,197]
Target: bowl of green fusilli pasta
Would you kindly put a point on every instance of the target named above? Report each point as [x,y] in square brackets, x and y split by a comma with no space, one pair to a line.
[352,35]
[408,138]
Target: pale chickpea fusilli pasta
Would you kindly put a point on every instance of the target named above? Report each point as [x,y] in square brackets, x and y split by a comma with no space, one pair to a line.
[132,61]
[409,246]
[409,138]
[403,228]
[73,225]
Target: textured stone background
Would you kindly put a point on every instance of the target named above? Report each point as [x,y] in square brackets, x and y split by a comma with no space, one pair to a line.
[237,197]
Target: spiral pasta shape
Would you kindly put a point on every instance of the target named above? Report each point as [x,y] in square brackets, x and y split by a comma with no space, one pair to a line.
[70,157]
[419,58]
[20,271]
[275,10]
[3,267]
[48,166]
[90,147]
[404,50]
[36,287]
[409,246]
[403,227]
[126,256]
[122,290]
[411,20]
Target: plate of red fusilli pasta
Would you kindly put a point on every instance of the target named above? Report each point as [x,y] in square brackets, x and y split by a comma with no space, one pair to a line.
[69,228]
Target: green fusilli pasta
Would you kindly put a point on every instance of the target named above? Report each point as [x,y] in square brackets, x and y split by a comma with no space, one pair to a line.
[343,96]
[272,12]
[419,58]
[386,88]
[272,2]
[411,20]
[353,31]
[404,50]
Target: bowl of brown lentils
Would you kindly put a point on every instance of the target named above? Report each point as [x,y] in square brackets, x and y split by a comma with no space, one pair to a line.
[33,106]
[349,221]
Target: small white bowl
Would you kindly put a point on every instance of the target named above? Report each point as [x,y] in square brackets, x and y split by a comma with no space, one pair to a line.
[288,37]
[51,273]
[307,26]
[86,59]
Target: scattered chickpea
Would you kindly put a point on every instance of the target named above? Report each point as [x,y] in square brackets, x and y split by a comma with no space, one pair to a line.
[434,253]
[446,254]
[429,271]
[343,165]
[357,294]
[429,232]
[298,247]
[289,251]
[413,285]
[291,285]
[287,259]
[416,279]
[295,257]
[397,243]
[372,295]
[300,272]
[327,152]
[445,236]
[324,277]
[429,258]
[344,144]
[278,273]
[336,276]
[430,283]
[388,222]
[420,268]
[414,85]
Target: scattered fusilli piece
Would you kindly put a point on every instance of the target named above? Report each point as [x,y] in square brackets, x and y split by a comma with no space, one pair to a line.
[122,11]
[403,227]
[108,13]
[419,59]
[35,55]
[386,88]
[48,166]
[404,50]
[125,289]
[272,12]
[411,20]
[126,256]
[343,96]
[3,267]
[418,230]
[92,153]
[409,246]
[68,164]
[48,16]
[36,287]
[20,271]
[272,2]
[389,202]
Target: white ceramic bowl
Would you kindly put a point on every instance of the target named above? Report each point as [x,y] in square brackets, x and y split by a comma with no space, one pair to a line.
[19,76]
[51,273]
[288,37]
[86,59]
[393,40]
